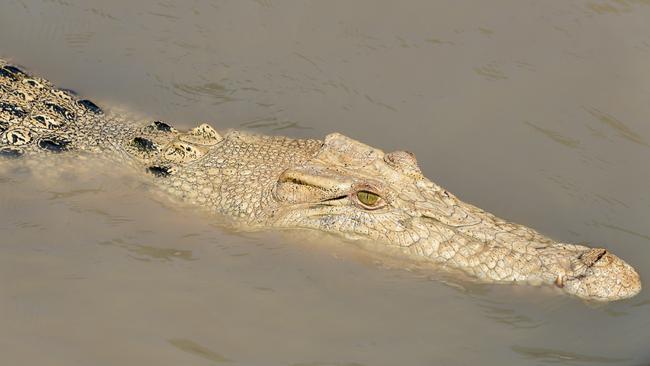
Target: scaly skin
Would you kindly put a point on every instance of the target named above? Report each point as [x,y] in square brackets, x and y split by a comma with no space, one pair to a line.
[338,185]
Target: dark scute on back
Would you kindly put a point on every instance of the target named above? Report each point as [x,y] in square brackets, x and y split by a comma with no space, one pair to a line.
[159,171]
[162,126]
[62,111]
[144,144]
[90,106]
[7,74]
[12,109]
[55,145]
[15,70]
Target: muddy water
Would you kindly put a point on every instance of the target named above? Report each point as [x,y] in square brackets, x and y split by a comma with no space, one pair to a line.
[536,111]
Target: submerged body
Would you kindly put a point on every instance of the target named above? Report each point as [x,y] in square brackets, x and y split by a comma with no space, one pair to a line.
[336,185]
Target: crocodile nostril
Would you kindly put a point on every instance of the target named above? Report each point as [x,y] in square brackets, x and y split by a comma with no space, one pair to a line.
[593,256]
[600,255]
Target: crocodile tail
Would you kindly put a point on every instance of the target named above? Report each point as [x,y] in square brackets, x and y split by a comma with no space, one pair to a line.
[37,116]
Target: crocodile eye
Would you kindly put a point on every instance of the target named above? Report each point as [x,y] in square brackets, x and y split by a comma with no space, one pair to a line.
[368,198]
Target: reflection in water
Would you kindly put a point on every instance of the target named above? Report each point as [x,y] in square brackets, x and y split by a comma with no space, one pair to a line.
[605,8]
[166,16]
[216,92]
[72,193]
[615,6]
[159,253]
[615,313]
[487,32]
[148,253]
[326,364]
[436,41]
[378,103]
[501,314]
[623,230]
[623,130]
[642,303]
[563,357]
[112,219]
[555,136]
[192,347]
[273,124]
[491,71]
[79,40]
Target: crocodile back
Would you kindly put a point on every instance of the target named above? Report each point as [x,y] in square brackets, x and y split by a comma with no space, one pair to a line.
[37,117]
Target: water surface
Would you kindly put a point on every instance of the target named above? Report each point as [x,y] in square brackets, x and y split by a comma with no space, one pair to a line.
[536,111]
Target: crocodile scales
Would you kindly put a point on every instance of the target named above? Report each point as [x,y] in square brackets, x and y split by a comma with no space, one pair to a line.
[335,185]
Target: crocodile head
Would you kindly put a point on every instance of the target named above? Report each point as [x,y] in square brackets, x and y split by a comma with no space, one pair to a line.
[361,192]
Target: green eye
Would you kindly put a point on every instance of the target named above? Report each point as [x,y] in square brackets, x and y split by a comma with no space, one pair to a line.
[367,198]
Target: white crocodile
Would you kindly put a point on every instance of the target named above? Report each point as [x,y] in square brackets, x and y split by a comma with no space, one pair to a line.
[336,185]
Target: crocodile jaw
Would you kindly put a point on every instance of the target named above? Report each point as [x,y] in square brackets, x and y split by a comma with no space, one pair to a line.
[592,274]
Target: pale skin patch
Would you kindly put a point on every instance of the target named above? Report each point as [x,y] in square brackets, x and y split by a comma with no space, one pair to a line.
[181,152]
[202,135]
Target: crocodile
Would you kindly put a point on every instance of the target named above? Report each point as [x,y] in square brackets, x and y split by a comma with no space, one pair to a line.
[335,185]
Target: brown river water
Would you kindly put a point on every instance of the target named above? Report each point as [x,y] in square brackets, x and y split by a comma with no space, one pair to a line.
[538,111]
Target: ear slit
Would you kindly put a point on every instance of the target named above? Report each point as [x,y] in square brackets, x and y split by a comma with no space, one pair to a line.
[298,181]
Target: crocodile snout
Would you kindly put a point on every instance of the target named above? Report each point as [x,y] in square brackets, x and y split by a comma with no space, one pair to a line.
[598,274]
